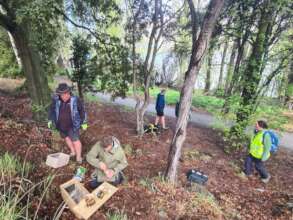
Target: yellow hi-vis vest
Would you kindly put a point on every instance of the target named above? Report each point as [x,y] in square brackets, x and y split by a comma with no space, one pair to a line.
[256,145]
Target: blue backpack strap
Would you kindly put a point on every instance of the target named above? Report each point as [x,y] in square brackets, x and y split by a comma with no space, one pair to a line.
[264,134]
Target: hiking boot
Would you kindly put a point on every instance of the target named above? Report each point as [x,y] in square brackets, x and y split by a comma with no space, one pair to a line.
[165,128]
[266,180]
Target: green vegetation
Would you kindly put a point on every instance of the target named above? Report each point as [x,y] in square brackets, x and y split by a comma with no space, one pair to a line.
[8,211]
[268,108]
[10,166]
[273,115]
[209,103]
[8,64]
[15,188]
[118,215]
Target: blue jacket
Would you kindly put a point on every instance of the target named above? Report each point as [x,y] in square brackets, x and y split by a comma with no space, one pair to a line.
[160,103]
[78,114]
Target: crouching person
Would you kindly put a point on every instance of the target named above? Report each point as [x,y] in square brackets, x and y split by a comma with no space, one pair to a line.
[109,160]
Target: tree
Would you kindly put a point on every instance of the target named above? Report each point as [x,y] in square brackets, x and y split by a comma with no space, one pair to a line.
[230,67]
[220,86]
[155,22]
[245,17]
[209,69]
[183,37]
[33,29]
[199,47]
[111,57]
[148,65]
[81,61]
[252,73]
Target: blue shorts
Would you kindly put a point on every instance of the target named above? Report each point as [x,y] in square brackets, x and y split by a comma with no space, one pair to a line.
[73,135]
[160,113]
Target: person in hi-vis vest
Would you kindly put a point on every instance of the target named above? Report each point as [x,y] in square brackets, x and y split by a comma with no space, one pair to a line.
[259,152]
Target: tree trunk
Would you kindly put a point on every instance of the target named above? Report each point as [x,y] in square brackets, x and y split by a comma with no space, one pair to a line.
[80,90]
[198,51]
[35,77]
[15,50]
[230,67]
[235,76]
[225,108]
[289,86]
[149,64]
[209,68]
[220,83]
[134,69]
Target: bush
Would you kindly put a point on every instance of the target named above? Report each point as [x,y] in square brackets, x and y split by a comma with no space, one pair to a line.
[272,114]
[10,167]
[16,190]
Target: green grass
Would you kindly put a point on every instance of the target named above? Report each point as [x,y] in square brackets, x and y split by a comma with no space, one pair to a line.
[89,97]
[8,211]
[11,166]
[118,215]
[209,103]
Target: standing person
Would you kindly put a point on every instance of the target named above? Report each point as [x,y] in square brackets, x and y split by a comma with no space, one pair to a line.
[160,105]
[109,160]
[67,114]
[177,109]
[259,151]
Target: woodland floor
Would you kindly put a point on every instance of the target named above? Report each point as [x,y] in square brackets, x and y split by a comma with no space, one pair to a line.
[145,195]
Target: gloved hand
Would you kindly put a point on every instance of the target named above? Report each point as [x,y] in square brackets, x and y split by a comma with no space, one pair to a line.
[84,126]
[50,124]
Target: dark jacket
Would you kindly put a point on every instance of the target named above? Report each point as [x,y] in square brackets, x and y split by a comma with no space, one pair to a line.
[78,114]
[160,103]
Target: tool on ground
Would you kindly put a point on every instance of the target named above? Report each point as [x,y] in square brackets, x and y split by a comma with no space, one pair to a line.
[80,173]
[196,176]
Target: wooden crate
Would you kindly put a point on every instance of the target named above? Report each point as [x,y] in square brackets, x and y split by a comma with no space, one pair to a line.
[57,160]
[74,194]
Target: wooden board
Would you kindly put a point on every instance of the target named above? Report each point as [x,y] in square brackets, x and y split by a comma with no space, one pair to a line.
[86,211]
[74,195]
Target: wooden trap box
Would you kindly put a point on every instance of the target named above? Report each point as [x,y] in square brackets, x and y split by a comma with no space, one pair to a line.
[57,160]
[82,203]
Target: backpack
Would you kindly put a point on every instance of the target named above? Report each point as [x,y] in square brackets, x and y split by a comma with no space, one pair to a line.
[274,140]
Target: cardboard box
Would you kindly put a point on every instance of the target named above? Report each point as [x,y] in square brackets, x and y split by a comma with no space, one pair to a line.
[76,197]
[57,160]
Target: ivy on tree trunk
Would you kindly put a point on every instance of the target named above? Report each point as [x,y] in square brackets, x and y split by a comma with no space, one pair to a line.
[252,73]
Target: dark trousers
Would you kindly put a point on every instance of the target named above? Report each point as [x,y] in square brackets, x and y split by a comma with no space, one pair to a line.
[118,180]
[259,166]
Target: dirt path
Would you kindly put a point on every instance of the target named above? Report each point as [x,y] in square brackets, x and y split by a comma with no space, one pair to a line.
[200,119]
